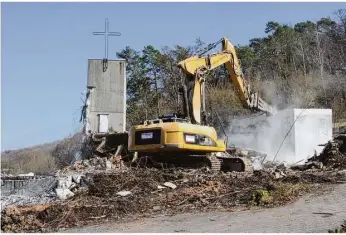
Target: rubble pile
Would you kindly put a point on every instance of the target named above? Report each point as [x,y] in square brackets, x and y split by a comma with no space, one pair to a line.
[62,185]
[35,189]
[22,200]
[175,191]
[105,145]
[147,191]
[26,217]
[100,188]
[96,163]
[333,155]
[75,178]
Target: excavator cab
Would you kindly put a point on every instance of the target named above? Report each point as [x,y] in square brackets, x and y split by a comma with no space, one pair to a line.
[174,117]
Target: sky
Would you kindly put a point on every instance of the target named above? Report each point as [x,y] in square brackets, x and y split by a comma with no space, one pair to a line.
[45,48]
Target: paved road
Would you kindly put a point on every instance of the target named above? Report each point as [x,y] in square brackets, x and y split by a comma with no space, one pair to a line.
[298,217]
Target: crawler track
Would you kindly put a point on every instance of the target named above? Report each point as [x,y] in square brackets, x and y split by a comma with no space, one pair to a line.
[216,162]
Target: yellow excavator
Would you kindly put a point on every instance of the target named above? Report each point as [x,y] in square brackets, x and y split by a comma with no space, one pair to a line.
[187,139]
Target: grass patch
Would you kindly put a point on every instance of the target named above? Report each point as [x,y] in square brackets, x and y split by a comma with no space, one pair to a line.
[278,193]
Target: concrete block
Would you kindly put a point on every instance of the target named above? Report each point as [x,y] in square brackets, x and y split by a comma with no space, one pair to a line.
[63,194]
[170,185]
[124,193]
[109,165]
[297,131]
[64,182]
[77,178]
[28,174]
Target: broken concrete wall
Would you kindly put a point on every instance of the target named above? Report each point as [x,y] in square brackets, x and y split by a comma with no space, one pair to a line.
[9,186]
[107,96]
[26,186]
[289,136]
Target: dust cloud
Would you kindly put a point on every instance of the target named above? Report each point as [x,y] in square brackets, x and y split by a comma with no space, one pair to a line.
[289,136]
[263,134]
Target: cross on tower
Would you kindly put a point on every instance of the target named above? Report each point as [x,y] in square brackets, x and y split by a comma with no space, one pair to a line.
[106,33]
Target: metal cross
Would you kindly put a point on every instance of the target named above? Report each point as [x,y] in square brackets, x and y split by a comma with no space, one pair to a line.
[106,33]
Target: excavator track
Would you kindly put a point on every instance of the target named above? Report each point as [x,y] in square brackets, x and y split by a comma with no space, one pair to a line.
[214,163]
[226,162]
[231,162]
[238,164]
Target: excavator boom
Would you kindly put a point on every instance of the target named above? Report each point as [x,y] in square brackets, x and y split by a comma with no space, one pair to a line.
[195,68]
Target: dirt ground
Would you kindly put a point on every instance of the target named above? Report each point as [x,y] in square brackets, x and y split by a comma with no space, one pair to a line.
[311,213]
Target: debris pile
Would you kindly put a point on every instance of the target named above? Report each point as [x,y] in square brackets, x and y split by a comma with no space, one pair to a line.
[105,145]
[147,191]
[96,163]
[21,200]
[25,216]
[64,184]
[333,155]
[33,190]
[75,178]
[101,151]
[69,185]
[104,187]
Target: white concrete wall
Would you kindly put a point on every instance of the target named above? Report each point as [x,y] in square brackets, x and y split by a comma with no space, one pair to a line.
[298,140]
[312,127]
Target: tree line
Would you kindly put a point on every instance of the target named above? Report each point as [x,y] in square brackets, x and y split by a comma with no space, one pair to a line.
[301,65]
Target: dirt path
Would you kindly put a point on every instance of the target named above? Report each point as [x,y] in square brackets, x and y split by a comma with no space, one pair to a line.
[299,217]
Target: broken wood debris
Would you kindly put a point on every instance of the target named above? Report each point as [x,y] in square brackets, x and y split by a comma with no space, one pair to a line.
[200,191]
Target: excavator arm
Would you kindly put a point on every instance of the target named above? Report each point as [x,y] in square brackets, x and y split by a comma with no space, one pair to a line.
[195,68]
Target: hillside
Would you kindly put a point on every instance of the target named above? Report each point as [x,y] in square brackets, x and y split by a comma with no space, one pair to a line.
[40,158]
